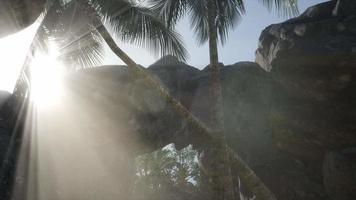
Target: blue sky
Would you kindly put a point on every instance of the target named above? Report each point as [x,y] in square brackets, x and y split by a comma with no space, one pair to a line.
[241,45]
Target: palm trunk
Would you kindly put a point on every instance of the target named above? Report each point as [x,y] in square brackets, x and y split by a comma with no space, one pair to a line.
[215,92]
[221,181]
[254,184]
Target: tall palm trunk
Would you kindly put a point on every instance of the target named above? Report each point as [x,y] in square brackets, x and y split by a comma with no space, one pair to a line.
[248,177]
[221,181]
[216,118]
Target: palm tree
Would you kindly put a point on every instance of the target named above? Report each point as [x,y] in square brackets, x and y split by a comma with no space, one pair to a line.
[211,21]
[205,135]
[80,43]
[96,11]
[83,46]
[56,27]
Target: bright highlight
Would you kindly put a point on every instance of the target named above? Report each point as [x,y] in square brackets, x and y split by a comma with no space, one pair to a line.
[46,84]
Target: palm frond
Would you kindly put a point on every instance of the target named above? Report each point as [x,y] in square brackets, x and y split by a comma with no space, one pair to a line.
[138,25]
[198,12]
[84,52]
[79,44]
[229,14]
[170,10]
[285,8]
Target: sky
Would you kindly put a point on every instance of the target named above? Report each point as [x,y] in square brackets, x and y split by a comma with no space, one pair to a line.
[240,46]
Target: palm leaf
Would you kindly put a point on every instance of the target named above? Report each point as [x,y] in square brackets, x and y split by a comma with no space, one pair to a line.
[138,25]
[79,44]
[228,13]
[285,8]
[170,10]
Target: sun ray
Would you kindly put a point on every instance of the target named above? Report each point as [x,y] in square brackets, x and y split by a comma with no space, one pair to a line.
[46,79]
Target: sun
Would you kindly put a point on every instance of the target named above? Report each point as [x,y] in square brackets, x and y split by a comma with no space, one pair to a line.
[46,81]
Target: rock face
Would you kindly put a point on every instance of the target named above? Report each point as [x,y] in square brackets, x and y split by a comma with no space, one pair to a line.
[18,14]
[317,38]
[245,88]
[312,64]
[339,174]
[7,159]
[4,131]
[4,96]
[152,123]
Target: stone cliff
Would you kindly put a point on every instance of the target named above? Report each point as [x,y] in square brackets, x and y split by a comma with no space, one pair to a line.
[312,63]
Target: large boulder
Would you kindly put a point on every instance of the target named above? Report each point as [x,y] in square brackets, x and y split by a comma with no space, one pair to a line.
[4,131]
[339,170]
[316,38]
[245,87]
[122,102]
[311,60]
[16,15]
[4,96]
[117,101]
[344,8]
[6,141]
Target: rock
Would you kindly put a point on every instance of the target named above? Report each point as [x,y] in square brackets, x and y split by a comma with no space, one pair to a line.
[245,87]
[344,8]
[168,60]
[312,65]
[16,15]
[339,174]
[173,73]
[311,62]
[7,160]
[4,131]
[247,94]
[315,38]
[135,106]
[4,96]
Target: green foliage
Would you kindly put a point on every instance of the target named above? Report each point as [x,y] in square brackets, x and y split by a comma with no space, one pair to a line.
[166,173]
